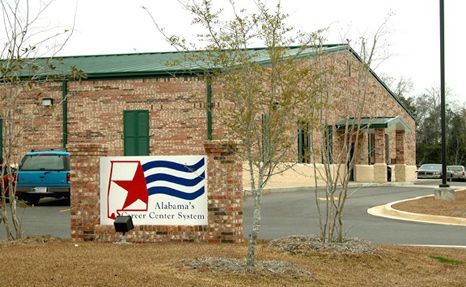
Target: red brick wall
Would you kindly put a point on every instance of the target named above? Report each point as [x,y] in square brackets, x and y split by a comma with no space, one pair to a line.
[177,111]
[225,199]
[36,126]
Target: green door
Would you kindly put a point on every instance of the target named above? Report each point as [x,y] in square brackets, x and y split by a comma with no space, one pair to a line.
[136,132]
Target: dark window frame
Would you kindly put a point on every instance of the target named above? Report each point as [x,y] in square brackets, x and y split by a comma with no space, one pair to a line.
[371,148]
[304,142]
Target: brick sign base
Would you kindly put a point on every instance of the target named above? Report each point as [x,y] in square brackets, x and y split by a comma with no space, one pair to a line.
[225,200]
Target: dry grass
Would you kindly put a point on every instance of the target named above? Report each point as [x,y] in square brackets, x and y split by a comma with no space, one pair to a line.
[66,263]
[430,205]
[52,262]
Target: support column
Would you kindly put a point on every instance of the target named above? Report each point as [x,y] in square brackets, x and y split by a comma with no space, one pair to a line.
[225,192]
[400,166]
[380,166]
[400,147]
[85,190]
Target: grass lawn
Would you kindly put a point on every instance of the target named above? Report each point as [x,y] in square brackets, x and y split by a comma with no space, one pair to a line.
[67,263]
[430,205]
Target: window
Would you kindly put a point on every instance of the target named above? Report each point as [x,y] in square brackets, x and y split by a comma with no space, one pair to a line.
[327,156]
[304,142]
[387,149]
[136,132]
[371,148]
[47,162]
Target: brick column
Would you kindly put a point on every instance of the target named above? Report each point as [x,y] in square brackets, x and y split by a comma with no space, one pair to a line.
[400,166]
[85,193]
[380,146]
[380,166]
[225,192]
[400,147]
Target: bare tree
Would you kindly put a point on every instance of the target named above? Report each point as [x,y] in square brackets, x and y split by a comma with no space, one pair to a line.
[21,73]
[262,90]
[338,163]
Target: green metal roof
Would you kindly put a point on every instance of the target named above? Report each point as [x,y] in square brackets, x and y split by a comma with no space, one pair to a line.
[163,63]
[374,123]
[170,63]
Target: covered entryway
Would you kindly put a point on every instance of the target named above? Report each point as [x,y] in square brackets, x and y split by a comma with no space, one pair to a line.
[375,134]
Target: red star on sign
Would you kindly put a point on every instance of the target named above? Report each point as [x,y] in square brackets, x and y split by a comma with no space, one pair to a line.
[137,188]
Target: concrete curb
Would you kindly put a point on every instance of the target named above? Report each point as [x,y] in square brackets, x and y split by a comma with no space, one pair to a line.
[388,211]
[302,188]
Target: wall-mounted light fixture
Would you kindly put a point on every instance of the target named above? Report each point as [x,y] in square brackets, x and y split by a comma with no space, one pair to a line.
[47,102]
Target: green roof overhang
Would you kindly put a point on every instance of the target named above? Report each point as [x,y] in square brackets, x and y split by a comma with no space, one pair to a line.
[158,64]
[171,63]
[396,123]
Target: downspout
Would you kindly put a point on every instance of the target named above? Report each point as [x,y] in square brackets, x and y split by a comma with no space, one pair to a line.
[65,112]
[209,108]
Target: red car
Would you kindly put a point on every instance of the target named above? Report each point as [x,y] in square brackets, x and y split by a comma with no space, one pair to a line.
[5,180]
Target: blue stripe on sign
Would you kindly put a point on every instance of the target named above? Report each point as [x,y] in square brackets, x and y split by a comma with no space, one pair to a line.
[173,165]
[174,179]
[176,193]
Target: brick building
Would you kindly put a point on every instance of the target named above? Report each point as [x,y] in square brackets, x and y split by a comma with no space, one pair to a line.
[148,104]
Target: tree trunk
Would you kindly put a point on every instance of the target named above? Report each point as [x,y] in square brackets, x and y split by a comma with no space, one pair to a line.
[256,224]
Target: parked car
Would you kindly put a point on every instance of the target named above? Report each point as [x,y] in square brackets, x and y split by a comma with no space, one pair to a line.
[456,172]
[43,174]
[429,170]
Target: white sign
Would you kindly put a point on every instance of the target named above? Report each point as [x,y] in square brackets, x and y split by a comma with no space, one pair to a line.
[154,190]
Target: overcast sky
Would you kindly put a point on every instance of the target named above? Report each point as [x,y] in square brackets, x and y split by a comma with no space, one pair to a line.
[122,26]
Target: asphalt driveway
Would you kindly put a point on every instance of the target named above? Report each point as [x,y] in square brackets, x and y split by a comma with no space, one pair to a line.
[288,213]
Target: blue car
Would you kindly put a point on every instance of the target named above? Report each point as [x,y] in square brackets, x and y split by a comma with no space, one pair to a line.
[43,174]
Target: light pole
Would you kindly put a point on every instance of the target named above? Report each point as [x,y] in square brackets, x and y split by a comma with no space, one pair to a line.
[442,97]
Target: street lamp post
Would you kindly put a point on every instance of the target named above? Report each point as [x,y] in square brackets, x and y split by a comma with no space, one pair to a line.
[442,96]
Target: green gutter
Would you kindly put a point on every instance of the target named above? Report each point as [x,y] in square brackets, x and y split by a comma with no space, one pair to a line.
[141,74]
[65,112]
[209,108]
